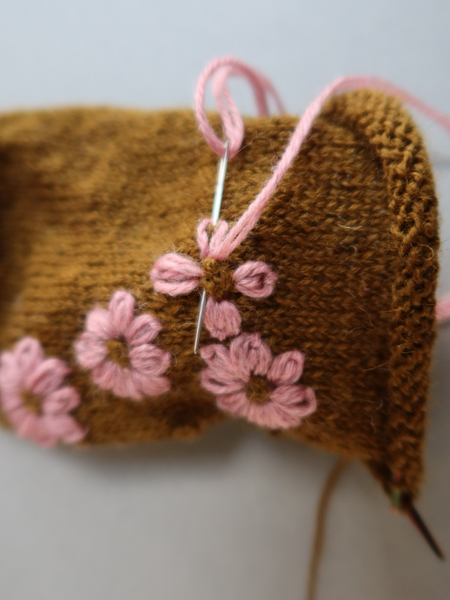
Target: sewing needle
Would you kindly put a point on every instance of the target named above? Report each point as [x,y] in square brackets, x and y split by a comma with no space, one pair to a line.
[221,172]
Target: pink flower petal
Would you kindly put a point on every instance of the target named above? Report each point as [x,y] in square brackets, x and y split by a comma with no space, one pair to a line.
[175,274]
[16,416]
[152,386]
[236,404]
[221,368]
[61,401]
[121,309]
[216,354]
[255,279]
[45,437]
[250,355]
[63,428]
[10,380]
[47,377]
[7,360]
[99,322]
[90,350]
[25,422]
[222,319]
[217,357]
[266,415]
[149,360]
[10,399]
[110,376]
[294,401]
[218,384]
[126,387]
[286,368]
[143,329]
[28,354]
[286,408]
[29,426]
[106,373]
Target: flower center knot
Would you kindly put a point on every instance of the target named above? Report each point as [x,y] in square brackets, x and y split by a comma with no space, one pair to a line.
[258,389]
[31,401]
[217,279]
[118,352]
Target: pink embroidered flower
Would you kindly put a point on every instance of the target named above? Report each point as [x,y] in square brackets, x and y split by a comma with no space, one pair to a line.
[177,274]
[249,382]
[32,397]
[116,348]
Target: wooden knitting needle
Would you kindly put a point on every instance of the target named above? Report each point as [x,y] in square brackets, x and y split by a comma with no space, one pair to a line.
[419,523]
[217,203]
[402,500]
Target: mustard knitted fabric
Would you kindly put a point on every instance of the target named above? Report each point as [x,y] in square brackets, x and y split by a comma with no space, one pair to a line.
[89,198]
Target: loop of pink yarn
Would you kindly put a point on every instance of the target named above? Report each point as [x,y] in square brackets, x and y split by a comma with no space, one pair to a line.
[202,237]
[222,319]
[175,274]
[225,101]
[227,67]
[233,124]
[255,279]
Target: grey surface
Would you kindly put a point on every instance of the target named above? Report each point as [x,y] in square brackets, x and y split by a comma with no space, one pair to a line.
[229,516]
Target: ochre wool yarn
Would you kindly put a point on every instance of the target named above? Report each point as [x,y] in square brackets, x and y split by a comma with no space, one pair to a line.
[90,198]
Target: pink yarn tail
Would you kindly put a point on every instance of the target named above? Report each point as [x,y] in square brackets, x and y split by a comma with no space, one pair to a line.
[443,309]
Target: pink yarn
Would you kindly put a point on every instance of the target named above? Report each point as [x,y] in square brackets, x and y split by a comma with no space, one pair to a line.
[443,309]
[175,274]
[222,319]
[144,377]
[234,129]
[26,370]
[224,242]
[203,241]
[229,370]
[255,279]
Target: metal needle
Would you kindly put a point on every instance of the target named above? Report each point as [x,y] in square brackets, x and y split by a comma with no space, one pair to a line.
[221,172]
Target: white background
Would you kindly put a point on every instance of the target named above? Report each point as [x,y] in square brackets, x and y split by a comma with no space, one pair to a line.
[229,516]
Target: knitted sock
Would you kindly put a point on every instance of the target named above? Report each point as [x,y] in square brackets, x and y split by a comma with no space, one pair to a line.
[90,198]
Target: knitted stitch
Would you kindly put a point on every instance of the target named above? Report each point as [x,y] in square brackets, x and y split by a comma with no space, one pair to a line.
[92,197]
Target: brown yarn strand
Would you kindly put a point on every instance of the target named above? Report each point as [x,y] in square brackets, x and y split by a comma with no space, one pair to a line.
[321,522]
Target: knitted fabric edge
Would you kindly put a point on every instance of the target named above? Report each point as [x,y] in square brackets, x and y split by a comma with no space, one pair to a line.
[396,142]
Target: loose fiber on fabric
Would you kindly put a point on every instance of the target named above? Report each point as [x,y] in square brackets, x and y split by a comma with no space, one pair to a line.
[91,198]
